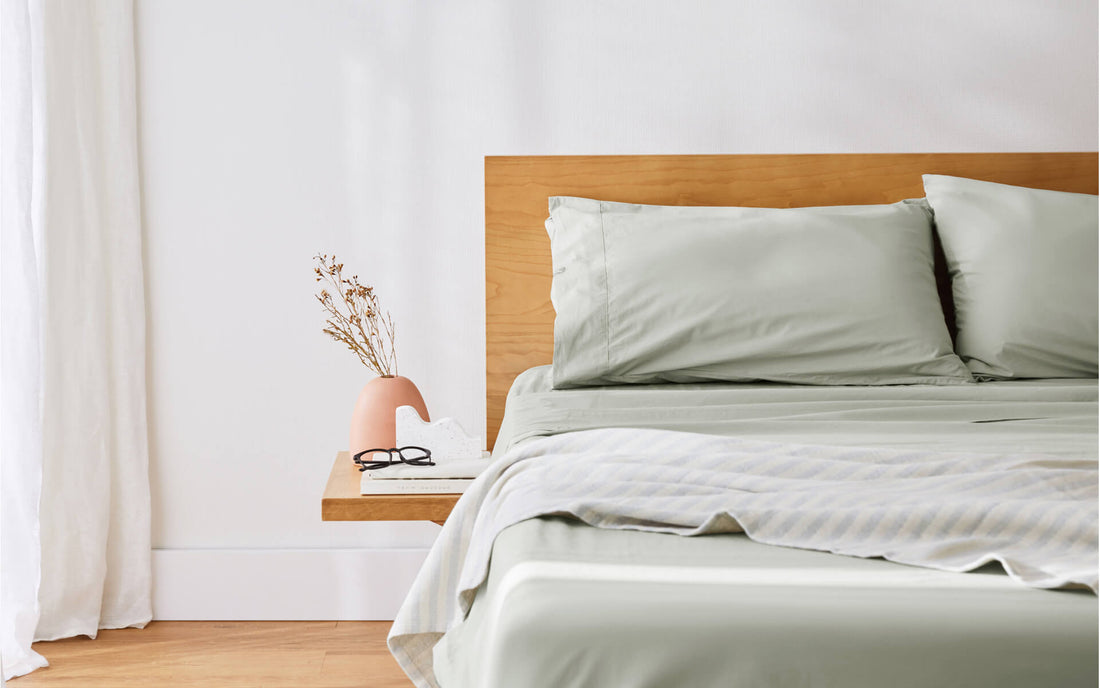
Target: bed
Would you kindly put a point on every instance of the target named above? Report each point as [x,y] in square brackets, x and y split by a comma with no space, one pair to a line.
[567,564]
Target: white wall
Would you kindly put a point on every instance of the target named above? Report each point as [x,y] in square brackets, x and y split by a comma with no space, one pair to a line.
[274,129]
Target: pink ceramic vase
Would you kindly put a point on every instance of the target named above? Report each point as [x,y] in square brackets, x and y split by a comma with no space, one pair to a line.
[372,421]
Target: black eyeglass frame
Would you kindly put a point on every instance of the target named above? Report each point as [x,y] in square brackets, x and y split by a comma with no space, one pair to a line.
[425,460]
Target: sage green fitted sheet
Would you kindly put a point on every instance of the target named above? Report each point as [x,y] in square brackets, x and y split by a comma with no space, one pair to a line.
[1042,416]
[568,605]
[571,606]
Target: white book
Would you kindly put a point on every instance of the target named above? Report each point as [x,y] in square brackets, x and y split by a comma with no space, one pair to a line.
[449,468]
[369,486]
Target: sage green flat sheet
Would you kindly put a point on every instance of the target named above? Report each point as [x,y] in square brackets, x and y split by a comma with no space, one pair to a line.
[568,605]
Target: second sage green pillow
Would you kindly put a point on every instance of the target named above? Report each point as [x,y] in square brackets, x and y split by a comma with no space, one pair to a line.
[1023,271]
[841,295]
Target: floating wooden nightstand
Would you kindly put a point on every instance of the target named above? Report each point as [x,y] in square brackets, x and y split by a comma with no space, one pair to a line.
[342,501]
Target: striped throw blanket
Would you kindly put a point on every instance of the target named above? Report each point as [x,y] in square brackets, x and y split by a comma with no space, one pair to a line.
[1035,514]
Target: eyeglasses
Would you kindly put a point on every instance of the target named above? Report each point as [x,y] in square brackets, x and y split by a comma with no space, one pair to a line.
[413,456]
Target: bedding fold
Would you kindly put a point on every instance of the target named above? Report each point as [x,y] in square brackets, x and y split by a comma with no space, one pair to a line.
[1035,514]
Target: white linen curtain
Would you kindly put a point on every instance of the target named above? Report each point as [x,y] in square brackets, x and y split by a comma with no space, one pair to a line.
[74,485]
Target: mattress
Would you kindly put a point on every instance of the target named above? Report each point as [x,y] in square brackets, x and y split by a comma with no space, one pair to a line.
[566,604]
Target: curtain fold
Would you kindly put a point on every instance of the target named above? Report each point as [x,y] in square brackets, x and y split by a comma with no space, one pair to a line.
[20,344]
[74,486]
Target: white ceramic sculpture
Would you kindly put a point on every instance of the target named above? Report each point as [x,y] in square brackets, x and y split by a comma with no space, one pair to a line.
[445,437]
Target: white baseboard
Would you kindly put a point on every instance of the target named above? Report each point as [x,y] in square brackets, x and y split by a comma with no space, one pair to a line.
[282,584]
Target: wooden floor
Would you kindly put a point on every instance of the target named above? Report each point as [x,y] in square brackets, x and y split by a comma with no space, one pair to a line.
[229,654]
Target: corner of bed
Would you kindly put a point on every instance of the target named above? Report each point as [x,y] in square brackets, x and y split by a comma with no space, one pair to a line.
[761,456]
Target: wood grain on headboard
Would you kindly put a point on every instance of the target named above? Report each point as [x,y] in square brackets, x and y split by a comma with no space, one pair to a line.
[519,330]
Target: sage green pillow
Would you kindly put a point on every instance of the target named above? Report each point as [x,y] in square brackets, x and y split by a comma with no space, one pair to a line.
[1024,276]
[840,295]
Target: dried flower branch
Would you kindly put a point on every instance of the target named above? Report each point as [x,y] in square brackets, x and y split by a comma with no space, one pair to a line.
[354,318]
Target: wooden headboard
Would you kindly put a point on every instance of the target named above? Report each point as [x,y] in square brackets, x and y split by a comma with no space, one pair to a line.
[519,328]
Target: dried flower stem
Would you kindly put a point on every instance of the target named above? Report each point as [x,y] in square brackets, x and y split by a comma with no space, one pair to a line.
[354,317]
